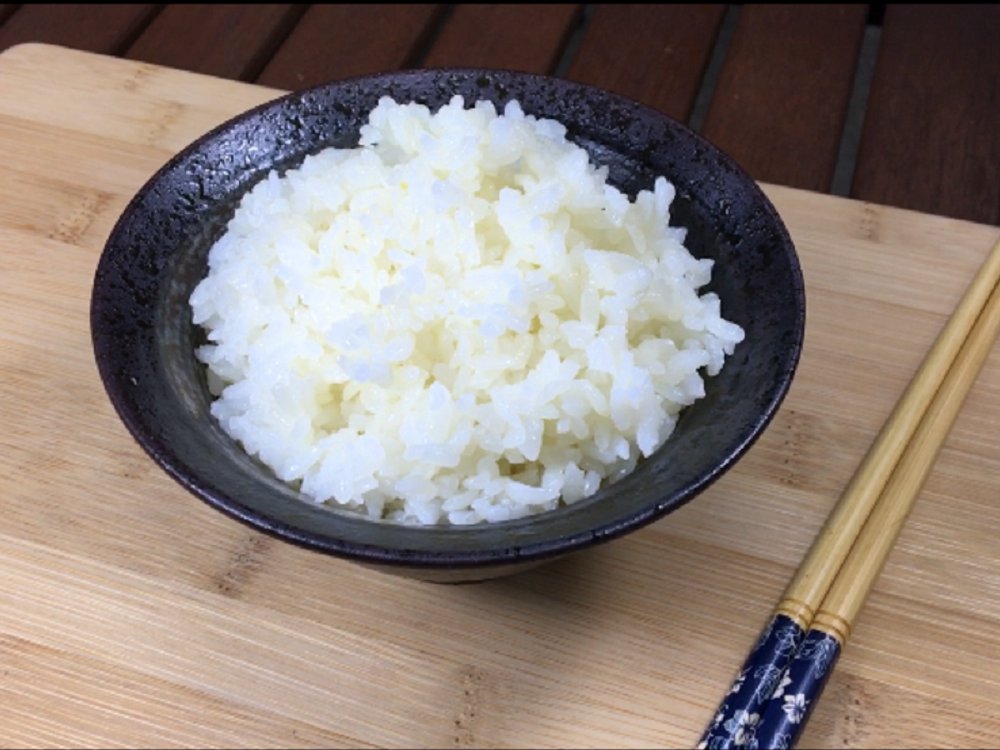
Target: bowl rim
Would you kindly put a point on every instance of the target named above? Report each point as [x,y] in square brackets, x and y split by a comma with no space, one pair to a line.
[441,559]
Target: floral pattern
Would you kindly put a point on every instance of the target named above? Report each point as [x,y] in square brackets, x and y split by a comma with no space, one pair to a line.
[822,652]
[767,677]
[795,707]
[738,682]
[779,691]
[736,723]
[789,670]
[785,713]
[743,728]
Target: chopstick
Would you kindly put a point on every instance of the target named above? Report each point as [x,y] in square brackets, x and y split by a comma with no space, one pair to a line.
[813,619]
[785,713]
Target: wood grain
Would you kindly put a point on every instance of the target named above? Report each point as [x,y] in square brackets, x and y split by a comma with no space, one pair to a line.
[221,39]
[337,41]
[891,474]
[937,73]
[519,37]
[655,54]
[127,607]
[872,546]
[782,95]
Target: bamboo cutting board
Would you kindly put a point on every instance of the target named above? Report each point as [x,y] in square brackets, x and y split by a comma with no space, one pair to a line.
[131,614]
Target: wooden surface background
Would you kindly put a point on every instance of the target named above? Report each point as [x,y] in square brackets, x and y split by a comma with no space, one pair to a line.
[131,614]
[890,103]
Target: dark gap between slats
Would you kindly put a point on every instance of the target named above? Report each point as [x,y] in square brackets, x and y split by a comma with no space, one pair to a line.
[422,47]
[850,138]
[699,110]
[876,12]
[576,34]
[7,10]
[102,28]
[288,25]
[129,40]
[573,42]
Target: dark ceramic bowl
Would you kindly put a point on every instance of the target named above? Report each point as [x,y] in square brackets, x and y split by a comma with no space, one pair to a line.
[144,339]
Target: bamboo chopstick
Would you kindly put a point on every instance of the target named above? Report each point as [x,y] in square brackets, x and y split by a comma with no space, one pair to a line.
[785,714]
[788,636]
[814,576]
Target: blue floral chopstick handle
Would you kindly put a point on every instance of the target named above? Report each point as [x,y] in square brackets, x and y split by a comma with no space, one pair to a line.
[785,714]
[741,710]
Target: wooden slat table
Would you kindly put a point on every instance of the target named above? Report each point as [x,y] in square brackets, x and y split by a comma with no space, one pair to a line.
[782,95]
[101,28]
[669,47]
[932,134]
[253,34]
[131,614]
[526,37]
[783,88]
[339,41]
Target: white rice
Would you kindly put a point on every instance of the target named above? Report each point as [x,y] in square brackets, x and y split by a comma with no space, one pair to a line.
[458,321]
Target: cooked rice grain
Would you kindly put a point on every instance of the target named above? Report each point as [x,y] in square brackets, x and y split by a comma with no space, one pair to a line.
[457,321]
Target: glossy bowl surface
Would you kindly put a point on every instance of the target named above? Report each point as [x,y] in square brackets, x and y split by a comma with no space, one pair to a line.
[144,339]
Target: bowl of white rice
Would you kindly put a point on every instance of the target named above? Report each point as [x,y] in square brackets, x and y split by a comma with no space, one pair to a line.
[448,323]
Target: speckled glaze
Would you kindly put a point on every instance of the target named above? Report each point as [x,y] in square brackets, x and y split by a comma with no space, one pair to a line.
[144,339]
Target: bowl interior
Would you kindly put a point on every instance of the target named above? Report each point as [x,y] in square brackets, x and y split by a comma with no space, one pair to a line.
[144,339]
